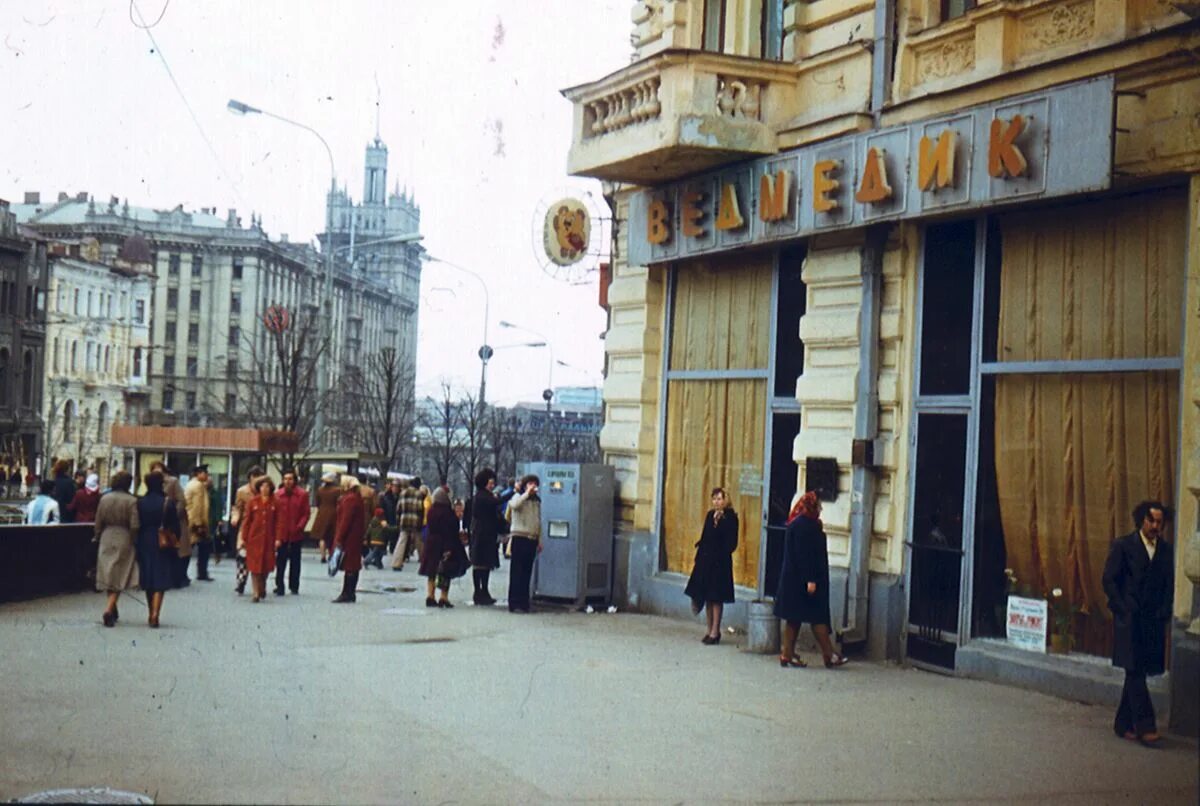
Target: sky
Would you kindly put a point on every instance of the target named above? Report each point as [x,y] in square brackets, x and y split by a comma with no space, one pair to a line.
[468,105]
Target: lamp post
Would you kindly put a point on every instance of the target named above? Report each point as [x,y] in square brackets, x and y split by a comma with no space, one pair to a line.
[240,108]
[485,351]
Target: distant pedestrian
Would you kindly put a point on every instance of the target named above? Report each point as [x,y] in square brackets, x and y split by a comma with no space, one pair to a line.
[196,500]
[241,498]
[711,583]
[86,500]
[116,531]
[486,527]
[369,497]
[803,592]
[64,490]
[326,520]
[261,535]
[43,509]
[348,536]
[411,516]
[389,502]
[216,521]
[1139,580]
[525,537]
[445,558]
[294,510]
[156,566]
[376,539]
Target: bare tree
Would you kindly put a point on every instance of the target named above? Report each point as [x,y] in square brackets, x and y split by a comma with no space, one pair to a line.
[504,430]
[380,415]
[279,389]
[473,421]
[439,430]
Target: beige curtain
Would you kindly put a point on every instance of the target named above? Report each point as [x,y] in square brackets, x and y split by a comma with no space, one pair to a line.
[716,428]
[1075,452]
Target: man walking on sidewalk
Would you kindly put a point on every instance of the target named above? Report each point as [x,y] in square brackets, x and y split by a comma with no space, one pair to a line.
[199,507]
[293,511]
[1139,579]
[411,515]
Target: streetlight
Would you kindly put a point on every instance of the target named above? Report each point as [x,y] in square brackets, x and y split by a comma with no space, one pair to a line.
[240,108]
[548,393]
[485,351]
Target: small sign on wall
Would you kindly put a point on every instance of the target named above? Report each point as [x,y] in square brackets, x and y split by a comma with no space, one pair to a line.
[1027,620]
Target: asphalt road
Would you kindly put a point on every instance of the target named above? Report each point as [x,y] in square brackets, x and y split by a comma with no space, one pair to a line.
[297,700]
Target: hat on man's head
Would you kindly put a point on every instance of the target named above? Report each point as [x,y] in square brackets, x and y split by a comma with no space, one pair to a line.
[199,469]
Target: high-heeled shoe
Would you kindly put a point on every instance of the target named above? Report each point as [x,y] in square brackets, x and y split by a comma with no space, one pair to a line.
[116,614]
[710,641]
[836,660]
[109,619]
[154,622]
[792,663]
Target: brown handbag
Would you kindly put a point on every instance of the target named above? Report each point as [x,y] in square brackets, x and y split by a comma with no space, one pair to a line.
[167,539]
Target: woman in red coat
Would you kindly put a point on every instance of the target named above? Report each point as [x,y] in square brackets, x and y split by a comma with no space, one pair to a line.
[261,535]
[348,536]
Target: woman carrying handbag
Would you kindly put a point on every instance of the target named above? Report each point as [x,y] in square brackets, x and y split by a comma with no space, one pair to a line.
[157,543]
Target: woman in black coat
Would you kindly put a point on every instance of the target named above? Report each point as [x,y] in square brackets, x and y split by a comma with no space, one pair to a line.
[445,557]
[711,583]
[803,592]
[486,526]
[156,566]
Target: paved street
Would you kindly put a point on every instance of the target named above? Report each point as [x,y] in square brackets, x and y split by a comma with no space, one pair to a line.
[301,701]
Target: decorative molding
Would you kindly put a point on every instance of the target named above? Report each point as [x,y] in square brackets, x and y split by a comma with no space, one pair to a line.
[945,59]
[739,97]
[1060,25]
[635,103]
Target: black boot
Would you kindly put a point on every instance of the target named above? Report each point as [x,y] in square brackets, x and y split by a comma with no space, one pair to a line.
[483,587]
[349,584]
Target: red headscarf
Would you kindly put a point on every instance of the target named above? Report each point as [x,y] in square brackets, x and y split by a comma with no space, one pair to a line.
[807,505]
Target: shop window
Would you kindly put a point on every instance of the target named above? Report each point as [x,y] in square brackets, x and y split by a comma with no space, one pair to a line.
[1065,455]
[716,404]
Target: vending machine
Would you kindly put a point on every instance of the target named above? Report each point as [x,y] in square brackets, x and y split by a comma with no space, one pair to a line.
[577,531]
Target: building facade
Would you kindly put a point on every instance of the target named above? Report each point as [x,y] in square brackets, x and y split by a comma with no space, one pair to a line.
[23,282]
[98,337]
[936,260]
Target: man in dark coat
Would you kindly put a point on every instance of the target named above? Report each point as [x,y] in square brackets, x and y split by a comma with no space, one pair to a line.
[1139,580]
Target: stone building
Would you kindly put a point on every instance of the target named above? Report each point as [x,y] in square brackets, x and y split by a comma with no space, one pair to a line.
[98,337]
[23,279]
[214,282]
[935,259]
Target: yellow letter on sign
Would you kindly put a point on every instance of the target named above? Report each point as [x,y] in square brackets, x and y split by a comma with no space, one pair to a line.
[658,231]
[874,186]
[1003,154]
[691,214]
[729,215]
[935,166]
[823,183]
[773,196]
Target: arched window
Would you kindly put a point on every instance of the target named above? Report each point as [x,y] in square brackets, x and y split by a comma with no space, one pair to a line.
[107,359]
[102,423]
[68,421]
[27,380]
[74,356]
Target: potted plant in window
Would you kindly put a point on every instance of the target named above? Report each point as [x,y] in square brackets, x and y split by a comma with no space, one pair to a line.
[1062,621]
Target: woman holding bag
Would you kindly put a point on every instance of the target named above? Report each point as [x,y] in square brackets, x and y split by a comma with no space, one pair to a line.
[156,563]
[711,583]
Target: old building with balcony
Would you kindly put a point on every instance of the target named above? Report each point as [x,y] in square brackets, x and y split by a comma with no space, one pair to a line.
[933,258]
[23,280]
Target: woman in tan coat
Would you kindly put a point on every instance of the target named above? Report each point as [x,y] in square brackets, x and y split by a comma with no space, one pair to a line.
[116,531]
[326,520]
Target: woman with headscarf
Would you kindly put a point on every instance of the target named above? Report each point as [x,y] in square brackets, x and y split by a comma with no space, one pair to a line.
[262,534]
[711,583]
[86,500]
[116,531]
[803,592]
[445,558]
[156,566]
[326,520]
[348,535]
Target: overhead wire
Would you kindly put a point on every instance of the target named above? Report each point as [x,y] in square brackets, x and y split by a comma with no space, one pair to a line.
[133,7]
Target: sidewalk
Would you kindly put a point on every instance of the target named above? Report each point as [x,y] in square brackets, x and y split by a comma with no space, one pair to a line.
[296,700]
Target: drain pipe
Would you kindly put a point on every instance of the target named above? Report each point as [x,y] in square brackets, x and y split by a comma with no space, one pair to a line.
[883,47]
[865,452]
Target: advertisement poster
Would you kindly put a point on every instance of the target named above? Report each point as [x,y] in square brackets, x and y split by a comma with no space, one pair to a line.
[1026,622]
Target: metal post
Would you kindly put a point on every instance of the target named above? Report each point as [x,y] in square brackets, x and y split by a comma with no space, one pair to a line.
[326,312]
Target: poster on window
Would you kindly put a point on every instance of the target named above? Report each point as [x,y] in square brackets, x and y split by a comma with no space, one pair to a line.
[1027,623]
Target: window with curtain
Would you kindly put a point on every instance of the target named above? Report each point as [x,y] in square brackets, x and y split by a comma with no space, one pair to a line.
[1065,456]
[716,404]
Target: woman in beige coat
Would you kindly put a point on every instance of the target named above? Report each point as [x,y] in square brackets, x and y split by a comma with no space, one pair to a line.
[116,530]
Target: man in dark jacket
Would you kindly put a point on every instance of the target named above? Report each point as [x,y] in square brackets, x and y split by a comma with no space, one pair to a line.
[1139,580]
[64,490]
[389,503]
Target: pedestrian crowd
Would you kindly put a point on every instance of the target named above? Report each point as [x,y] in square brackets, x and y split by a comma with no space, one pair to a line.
[147,542]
